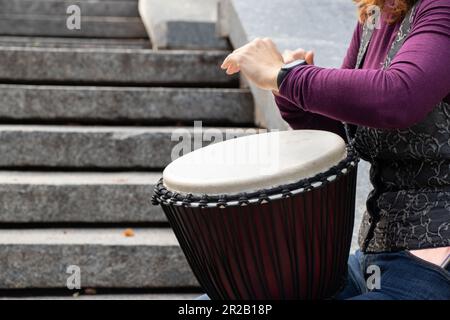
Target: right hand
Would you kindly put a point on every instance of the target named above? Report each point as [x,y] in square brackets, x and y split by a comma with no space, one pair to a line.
[299,54]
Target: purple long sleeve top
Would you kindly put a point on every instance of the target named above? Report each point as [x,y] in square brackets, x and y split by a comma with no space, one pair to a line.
[397,97]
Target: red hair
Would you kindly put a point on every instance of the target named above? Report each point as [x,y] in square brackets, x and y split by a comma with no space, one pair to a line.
[396,10]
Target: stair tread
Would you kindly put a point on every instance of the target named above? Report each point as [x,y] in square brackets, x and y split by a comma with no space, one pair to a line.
[120,89]
[78,197]
[50,146]
[93,237]
[47,17]
[101,129]
[119,105]
[170,53]
[39,258]
[113,66]
[56,26]
[88,8]
[79,178]
[150,296]
[53,42]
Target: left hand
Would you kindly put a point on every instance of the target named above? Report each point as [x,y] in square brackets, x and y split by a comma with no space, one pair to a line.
[260,61]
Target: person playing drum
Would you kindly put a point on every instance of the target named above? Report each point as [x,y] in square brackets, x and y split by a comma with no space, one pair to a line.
[392,97]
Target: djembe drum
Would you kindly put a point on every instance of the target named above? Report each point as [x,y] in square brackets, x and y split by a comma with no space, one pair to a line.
[266,216]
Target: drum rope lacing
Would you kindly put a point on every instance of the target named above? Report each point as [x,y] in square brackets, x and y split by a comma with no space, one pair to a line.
[163,196]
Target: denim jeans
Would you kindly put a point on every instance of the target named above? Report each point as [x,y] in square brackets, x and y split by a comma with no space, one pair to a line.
[401,276]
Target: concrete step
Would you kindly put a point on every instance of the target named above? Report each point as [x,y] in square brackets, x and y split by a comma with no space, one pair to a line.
[48,42]
[113,66]
[39,258]
[188,35]
[59,104]
[56,26]
[109,8]
[115,297]
[78,197]
[181,24]
[99,147]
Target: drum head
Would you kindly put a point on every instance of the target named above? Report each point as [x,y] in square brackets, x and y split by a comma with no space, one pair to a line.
[255,162]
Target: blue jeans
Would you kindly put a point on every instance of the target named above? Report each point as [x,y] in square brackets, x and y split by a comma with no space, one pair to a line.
[392,276]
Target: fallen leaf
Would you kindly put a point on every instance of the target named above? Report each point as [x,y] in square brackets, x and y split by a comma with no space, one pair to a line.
[128,233]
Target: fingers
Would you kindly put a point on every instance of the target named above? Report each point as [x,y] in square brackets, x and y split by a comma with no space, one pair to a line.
[227,62]
[299,54]
[233,69]
[260,48]
[290,56]
[309,57]
[231,63]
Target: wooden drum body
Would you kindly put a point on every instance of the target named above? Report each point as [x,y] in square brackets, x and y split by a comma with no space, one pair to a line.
[290,241]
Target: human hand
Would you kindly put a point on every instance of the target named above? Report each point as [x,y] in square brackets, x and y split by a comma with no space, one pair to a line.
[299,54]
[260,61]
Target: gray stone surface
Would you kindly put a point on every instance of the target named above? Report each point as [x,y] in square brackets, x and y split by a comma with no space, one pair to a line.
[113,66]
[182,24]
[116,297]
[325,26]
[124,104]
[180,10]
[187,35]
[116,8]
[55,26]
[95,147]
[38,258]
[62,197]
[49,42]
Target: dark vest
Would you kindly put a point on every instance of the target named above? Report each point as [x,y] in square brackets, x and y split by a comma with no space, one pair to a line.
[409,207]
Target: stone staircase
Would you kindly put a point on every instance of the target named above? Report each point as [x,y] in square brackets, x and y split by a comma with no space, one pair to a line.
[86,119]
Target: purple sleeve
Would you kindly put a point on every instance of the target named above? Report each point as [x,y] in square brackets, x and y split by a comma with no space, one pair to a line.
[352,52]
[402,95]
[300,119]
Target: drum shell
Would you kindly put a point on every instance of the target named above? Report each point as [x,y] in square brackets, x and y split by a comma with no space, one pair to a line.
[290,248]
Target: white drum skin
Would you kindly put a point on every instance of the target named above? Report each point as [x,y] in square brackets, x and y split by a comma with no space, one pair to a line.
[255,162]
